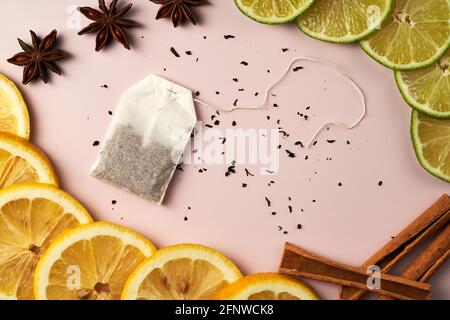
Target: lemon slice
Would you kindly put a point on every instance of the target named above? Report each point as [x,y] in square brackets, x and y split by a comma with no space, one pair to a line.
[91,262]
[273,12]
[20,161]
[31,216]
[428,90]
[14,116]
[343,21]
[431,140]
[267,286]
[416,35]
[181,272]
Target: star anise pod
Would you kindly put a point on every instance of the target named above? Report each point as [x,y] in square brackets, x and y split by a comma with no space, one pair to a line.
[39,57]
[178,10]
[108,23]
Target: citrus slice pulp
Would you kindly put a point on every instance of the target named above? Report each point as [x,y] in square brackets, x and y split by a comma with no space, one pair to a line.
[343,21]
[31,216]
[431,141]
[181,272]
[91,262]
[14,116]
[273,12]
[267,286]
[414,36]
[428,90]
[20,162]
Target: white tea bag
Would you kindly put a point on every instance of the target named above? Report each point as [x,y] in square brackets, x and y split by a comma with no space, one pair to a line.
[147,138]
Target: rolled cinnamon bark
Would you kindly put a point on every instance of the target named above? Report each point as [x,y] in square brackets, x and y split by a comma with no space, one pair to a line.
[429,261]
[300,263]
[433,219]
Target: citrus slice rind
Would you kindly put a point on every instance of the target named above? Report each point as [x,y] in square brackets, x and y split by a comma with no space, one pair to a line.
[273,12]
[100,256]
[31,216]
[267,286]
[181,272]
[428,90]
[14,117]
[20,162]
[414,36]
[342,21]
[431,141]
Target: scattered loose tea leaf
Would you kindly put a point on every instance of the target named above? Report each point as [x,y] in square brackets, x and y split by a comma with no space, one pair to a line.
[248,173]
[244,63]
[290,154]
[174,52]
[297,69]
[229,36]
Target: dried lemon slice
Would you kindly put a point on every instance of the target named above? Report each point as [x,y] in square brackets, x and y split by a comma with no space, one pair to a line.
[31,216]
[181,272]
[14,116]
[20,161]
[267,286]
[91,262]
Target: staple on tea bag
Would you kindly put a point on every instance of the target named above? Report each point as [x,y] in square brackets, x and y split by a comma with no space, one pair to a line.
[147,137]
[283,75]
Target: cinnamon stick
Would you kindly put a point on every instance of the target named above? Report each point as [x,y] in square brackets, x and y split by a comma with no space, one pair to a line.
[414,234]
[429,261]
[300,263]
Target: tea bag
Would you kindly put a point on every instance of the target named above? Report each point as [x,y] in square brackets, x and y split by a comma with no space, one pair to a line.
[147,138]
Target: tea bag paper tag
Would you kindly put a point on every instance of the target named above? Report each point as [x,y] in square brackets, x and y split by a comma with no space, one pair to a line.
[147,137]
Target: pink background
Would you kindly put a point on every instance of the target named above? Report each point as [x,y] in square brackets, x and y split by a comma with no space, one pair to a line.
[345,223]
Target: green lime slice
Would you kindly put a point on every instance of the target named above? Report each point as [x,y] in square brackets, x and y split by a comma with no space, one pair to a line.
[344,21]
[273,11]
[428,90]
[414,36]
[431,141]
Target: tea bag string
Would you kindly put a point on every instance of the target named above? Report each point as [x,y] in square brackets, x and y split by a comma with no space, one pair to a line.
[283,75]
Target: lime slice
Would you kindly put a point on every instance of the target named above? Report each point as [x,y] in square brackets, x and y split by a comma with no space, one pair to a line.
[343,21]
[431,140]
[414,36]
[273,11]
[428,90]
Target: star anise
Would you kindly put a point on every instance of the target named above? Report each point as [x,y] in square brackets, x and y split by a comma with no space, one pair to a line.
[178,10]
[39,57]
[108,23]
